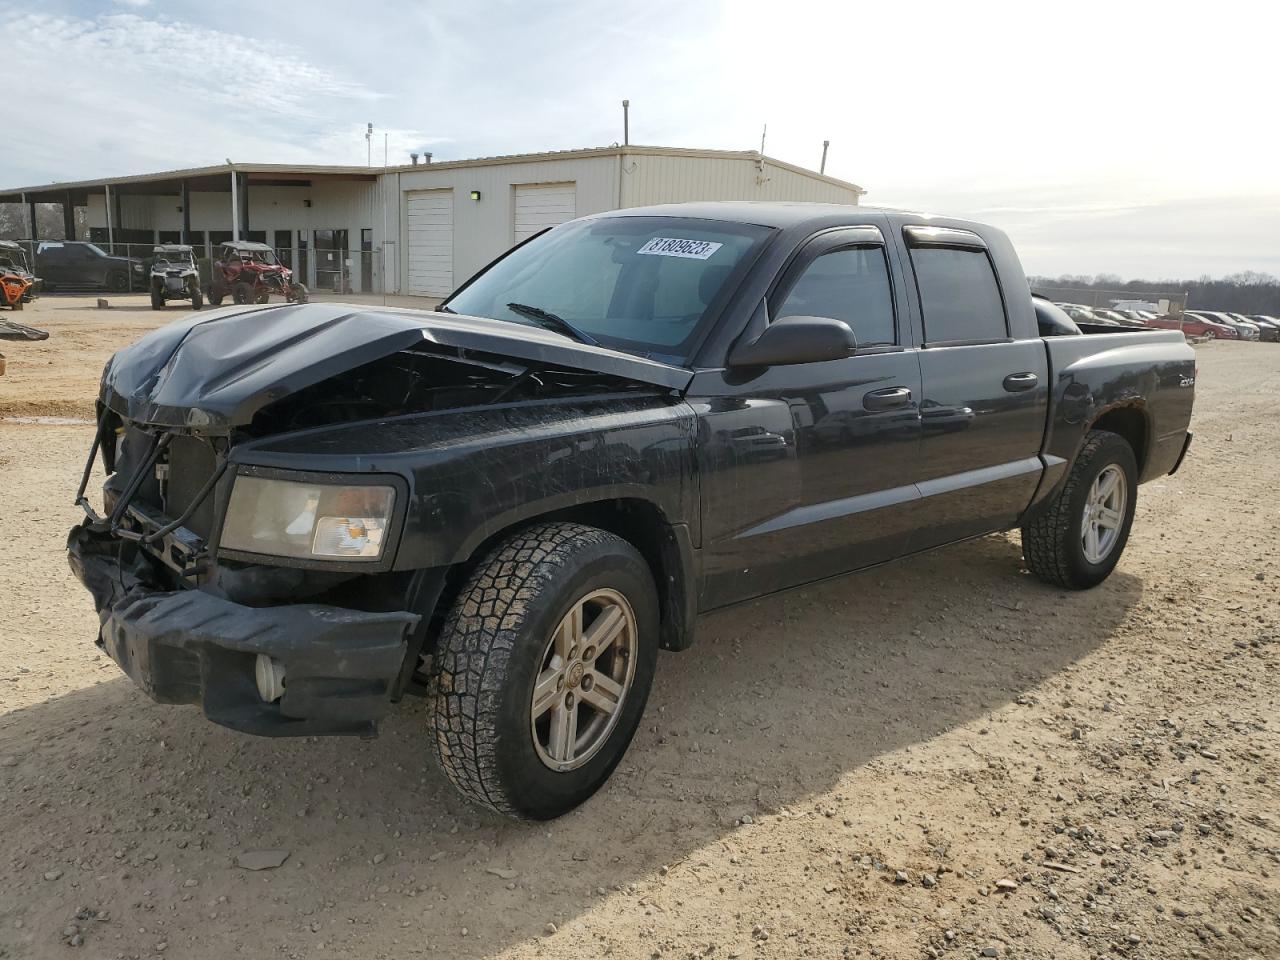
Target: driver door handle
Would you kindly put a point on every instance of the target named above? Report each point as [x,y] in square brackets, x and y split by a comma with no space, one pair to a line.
[889,398]
[1016,382]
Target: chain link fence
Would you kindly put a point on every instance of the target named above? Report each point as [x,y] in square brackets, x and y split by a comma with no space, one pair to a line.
[1162,301]
[125,266]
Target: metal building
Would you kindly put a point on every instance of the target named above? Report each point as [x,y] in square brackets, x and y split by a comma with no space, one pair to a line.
[419,229]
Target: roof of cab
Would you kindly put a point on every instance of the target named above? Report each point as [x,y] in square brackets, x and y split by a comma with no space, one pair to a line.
[765,213]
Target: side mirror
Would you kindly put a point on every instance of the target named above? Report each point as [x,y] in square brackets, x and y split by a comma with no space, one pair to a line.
[790,340]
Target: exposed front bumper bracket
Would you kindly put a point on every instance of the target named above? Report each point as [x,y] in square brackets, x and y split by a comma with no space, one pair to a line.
[187,646]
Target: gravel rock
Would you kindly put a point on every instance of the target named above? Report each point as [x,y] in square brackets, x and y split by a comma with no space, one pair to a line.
[261,859]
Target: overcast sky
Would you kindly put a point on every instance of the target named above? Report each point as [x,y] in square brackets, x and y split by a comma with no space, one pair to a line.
[1142,142]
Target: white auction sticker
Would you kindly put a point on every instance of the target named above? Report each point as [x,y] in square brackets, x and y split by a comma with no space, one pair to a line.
[674,247]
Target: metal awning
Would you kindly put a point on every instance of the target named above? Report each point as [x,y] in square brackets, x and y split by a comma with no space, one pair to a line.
[198,180]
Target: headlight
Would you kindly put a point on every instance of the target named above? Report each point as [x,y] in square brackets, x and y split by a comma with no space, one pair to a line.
[291,518]
[138,267]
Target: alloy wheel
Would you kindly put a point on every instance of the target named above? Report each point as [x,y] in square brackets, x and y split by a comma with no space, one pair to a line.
[1104,511]
[586,671]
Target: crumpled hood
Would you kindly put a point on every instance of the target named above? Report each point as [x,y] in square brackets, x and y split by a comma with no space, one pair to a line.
[214,371]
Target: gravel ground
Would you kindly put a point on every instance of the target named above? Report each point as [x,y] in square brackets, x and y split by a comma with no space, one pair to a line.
[940,758]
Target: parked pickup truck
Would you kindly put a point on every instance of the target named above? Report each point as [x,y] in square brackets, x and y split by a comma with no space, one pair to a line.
[511,503]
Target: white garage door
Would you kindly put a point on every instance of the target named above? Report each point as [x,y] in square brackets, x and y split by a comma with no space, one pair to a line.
[542,205]
[430,221]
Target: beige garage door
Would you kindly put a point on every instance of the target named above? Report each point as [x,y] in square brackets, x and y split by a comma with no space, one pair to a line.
[429,217]
[542,205]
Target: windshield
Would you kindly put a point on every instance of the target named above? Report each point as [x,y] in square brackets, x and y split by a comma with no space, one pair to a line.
[13,259]
[173,257]
[639,284]
[252,256]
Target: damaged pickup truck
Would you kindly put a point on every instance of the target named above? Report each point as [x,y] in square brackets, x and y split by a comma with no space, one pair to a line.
[510,504]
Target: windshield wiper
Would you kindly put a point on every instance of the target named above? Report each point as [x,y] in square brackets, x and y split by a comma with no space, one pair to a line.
[553,322]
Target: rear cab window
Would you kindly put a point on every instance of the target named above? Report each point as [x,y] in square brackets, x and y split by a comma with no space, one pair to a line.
[960,296]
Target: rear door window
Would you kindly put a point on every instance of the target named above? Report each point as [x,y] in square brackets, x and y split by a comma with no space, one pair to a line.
[849,284]
[959,295]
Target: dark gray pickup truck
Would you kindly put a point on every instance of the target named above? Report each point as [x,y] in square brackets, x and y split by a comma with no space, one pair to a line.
[511,503]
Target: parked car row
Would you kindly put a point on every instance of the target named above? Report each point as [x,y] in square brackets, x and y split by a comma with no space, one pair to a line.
[1214,324]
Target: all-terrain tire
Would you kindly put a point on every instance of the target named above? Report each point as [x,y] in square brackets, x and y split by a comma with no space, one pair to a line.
[242,293]
[197,301]
[157,298]
[1052,539]
[491,650]
[215,297]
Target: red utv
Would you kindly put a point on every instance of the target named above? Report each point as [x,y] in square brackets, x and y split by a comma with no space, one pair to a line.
[249,272]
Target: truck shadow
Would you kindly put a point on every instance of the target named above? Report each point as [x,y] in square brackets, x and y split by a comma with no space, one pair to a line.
[778,701]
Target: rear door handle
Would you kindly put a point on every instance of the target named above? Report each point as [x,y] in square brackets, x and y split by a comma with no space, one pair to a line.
[889,398]
[1016,382]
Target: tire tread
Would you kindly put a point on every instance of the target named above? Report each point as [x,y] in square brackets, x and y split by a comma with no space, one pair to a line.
[476,646]
[1046,536]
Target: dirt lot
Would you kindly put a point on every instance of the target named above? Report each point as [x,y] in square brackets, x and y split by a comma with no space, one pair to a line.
[942,758]
[59,377]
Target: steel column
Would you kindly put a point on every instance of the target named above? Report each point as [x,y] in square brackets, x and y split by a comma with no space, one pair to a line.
[68,218]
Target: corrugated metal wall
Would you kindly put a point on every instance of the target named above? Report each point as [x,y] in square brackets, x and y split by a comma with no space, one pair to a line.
[648,178]
[484,228]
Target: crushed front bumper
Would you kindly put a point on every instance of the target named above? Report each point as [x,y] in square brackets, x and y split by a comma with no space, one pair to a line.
[187,646]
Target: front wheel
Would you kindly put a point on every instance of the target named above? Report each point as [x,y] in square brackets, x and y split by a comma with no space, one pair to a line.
[543,668]
[197,301]
[242,293]
[157,297]
[1075,540]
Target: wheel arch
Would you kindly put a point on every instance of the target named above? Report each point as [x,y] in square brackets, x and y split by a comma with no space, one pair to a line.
[666,547]
[1131,421]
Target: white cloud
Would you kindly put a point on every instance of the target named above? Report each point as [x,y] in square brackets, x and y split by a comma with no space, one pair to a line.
[1105,137]
[122,93]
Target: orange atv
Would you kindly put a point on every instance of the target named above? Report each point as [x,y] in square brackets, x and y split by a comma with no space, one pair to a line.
[13,288]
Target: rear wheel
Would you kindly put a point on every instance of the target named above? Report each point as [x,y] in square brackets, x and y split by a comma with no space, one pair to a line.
[117,281]
[543,668]
[1076,539]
